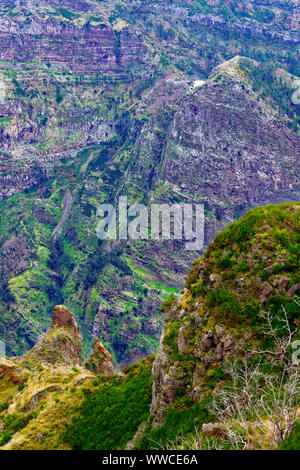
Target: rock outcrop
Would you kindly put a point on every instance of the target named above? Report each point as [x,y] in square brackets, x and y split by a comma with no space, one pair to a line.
[12,373]
[99,361]
[220,316]
[108,98]
[62,344]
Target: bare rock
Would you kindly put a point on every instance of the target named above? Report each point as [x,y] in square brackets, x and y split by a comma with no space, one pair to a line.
[99,361]
[283,283]
[292,291]
[218,354]
[63,318]
[220,331]
[228,343]
[207,360]
[61,344]
[184,340]
[266,292]
[11,372]
[206,342]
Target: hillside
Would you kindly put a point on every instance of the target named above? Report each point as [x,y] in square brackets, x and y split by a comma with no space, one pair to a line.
[100,99]
[175,144]
[228,337]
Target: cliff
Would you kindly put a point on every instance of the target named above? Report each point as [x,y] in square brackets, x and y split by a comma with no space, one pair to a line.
[99,99]
[183,144]
[41,389]
[226,353]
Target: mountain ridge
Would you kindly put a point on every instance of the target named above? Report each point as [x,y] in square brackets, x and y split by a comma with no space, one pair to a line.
[219,326]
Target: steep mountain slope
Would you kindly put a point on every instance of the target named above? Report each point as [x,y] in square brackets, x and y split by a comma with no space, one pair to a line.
[233,329]
[92,99]
[251,268]
[220,324]
[176,150]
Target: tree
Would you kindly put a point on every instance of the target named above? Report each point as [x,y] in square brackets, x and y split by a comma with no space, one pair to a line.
[259,407]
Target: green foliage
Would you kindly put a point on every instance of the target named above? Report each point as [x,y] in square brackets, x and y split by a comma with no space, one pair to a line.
[180,419]
[111,414]
[273,89]
[19,91]
[5,437]
[4,406]
[168,303]
[67,13]
[293,441]
[59,96]
[17,421]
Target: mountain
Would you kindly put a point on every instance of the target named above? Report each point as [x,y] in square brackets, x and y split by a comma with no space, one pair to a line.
[230,336]
[150,100]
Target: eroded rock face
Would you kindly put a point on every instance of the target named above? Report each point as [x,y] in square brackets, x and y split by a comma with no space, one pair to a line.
[62,318]
[100,361]
[164,386]
[221,317]
[12,373]
[181,148]
[213,148]
[15,256]
[61,344]
[91,48]
[210,350]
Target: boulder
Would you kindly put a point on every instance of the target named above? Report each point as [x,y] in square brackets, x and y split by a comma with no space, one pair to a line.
[206,342]
[184,340]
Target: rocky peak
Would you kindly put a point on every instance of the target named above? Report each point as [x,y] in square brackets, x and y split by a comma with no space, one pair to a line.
[62,318]
[61,344]
[100,361]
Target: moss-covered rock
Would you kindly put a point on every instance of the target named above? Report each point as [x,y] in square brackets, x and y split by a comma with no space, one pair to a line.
[99,361]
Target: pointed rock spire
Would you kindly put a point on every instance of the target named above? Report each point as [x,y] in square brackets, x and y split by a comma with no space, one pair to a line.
[100,361]
[61,344]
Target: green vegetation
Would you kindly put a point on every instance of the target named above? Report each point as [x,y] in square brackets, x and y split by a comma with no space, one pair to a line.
[110,415]
[274,89]
[180,420]
[13,423]
[260,247]
[293,441]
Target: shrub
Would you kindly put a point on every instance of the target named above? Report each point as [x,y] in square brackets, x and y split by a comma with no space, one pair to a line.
[111,415]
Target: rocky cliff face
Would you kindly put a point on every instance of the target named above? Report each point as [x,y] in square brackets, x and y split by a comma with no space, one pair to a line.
[100,361]
[178,149]
[46,382]
[239,314]
[247,273]
[212,151]
[93,106]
